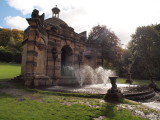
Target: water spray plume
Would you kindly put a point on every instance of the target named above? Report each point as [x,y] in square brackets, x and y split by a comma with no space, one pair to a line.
[88,75]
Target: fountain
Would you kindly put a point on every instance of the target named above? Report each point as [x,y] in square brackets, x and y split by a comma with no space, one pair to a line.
[95,81]
[113,94]
[87,75]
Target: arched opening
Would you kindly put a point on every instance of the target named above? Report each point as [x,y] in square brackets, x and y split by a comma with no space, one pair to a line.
[66,61]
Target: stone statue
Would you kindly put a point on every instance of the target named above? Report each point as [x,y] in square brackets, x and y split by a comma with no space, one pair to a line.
[35,14]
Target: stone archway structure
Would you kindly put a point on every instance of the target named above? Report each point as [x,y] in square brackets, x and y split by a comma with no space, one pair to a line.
[51,45]
[66,60]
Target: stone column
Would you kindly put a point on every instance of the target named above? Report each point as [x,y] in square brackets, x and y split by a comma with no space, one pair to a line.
[30,58]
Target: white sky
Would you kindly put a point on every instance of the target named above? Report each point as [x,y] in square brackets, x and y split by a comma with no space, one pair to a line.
[121,16]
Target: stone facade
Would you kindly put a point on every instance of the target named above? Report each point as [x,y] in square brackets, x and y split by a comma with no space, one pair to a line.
[50,46]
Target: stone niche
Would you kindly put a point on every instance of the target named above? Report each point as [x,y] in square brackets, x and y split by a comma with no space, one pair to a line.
[51,49]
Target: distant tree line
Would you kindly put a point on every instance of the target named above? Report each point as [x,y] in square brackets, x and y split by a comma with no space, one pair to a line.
[143,53]
[10,45]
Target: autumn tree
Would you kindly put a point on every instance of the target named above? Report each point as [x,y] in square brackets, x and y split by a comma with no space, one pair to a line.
[5,35]
[10,45]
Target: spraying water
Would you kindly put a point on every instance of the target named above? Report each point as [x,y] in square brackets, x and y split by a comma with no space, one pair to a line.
[88,75]
[103,75]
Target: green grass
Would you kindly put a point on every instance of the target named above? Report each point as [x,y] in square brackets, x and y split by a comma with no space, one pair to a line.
[46,105]
[137,82]
[53,107]
[9,70]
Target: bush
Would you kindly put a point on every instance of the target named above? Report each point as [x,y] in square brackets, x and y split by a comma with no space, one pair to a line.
[8,55]
[17,57]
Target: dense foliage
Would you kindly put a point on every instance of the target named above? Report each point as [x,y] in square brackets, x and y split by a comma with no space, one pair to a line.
[110,45]
[143,52]
[10,45]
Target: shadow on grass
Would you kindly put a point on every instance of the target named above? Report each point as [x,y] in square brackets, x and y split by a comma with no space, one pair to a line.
[109,110]
[65,93]
[3,86]
[4,95]
[6,79]
[12,83]
[20,85]
[10,64]
[112,112]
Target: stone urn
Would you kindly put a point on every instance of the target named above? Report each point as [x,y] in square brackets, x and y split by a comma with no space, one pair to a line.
[113,94]
[113,82]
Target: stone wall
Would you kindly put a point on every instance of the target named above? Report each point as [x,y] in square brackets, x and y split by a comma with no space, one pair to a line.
[43,45]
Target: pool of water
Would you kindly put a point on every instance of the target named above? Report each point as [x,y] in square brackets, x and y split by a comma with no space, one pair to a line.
[153,103]
[91,89]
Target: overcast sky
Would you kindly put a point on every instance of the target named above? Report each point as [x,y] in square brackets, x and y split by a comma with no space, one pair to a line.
[121,16]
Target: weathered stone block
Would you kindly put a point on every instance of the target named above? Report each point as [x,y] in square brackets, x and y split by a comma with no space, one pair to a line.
[49,82]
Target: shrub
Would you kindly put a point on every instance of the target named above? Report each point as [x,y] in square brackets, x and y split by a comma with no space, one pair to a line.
[9,55]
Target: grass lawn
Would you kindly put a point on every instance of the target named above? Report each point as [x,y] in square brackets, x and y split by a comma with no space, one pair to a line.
[137,82]
[53,106]
[46,105]
[9,70]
